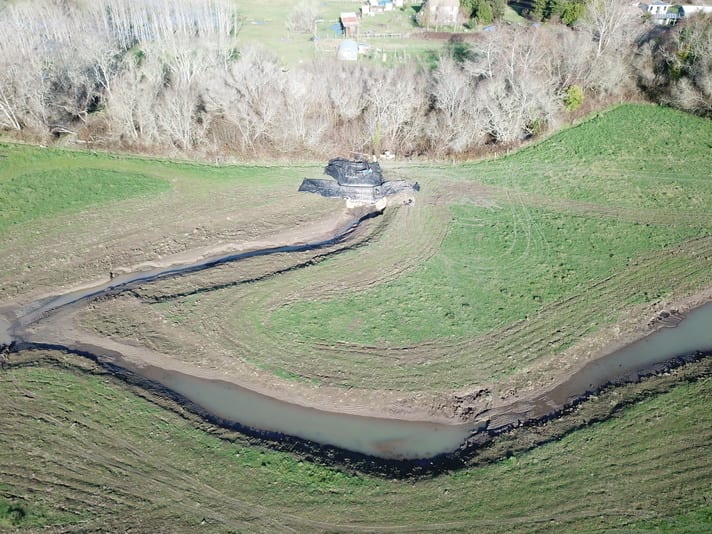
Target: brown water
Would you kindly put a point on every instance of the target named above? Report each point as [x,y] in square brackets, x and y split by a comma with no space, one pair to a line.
[400,439]
[380,437]
[691,336]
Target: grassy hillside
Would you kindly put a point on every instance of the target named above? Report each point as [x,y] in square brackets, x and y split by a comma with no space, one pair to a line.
[71,216]
[499,264]
[80,452]
[495,266]
[43,194]
[499,270]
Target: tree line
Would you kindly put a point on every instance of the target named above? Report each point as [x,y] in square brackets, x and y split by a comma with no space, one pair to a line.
[162,76]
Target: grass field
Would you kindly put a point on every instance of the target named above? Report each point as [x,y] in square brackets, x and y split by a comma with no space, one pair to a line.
[44,194]
[496,266]
[501,270]
[70,216]
[635,157]
[394,34]
[82,452]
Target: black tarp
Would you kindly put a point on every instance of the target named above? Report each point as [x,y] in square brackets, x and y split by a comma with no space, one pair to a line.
[357,180]
[354,172]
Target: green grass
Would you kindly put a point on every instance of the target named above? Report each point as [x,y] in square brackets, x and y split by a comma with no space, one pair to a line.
[18,160]
[264,24]
[38,184]
[70,216]
[483,284]
[90,453]
[510,15]
[43,194]
[574,231]
[498,266]
[495,267]
[16,515]
[633,156]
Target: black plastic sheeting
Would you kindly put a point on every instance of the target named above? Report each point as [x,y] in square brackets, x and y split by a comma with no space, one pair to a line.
[356,180]
[354,172]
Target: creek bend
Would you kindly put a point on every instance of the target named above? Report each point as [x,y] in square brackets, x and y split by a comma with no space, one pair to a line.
[380,437]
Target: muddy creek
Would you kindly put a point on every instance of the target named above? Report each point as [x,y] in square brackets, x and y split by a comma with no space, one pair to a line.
[379,437]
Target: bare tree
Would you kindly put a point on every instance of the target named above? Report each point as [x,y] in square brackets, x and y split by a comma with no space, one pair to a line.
[517,92]
[606,20]
[132,105]
[456,122]
[301,18]
[248,96]
[397,101]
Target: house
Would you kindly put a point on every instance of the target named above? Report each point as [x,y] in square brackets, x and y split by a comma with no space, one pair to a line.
[440,13]
[660,12]
[688,11]
[349,23]
[656,8]
[666,14]
[374,7]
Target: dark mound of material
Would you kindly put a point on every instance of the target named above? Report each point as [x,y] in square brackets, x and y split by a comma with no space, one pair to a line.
[357,172]
[358,180]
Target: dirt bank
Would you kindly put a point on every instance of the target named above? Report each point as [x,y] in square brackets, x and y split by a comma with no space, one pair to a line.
[59,328]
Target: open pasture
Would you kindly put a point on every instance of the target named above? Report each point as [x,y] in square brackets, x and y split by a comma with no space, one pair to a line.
[500,271]
[503,275]
[82,452]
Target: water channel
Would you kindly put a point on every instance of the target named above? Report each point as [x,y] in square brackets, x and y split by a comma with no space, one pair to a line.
[379,437]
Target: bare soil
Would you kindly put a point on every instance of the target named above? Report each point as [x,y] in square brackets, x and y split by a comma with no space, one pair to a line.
[231,351]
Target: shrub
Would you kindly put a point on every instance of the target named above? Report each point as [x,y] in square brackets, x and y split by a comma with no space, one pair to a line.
[573,98]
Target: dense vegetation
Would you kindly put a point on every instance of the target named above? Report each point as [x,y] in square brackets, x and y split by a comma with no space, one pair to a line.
[158,76]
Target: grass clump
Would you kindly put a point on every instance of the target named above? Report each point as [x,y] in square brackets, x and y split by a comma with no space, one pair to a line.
[17,514]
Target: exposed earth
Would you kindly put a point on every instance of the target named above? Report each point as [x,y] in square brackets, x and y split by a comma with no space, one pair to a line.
[434,310]
[181,350]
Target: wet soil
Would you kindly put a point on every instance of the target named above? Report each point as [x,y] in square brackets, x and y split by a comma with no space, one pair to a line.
[39,326]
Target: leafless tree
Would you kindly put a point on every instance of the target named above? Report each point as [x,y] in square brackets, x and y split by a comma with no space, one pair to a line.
[396,104]
[456,122]
[247,95]
[518,92]
[166,75]
[301,18]
[607,20]
[132,103]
